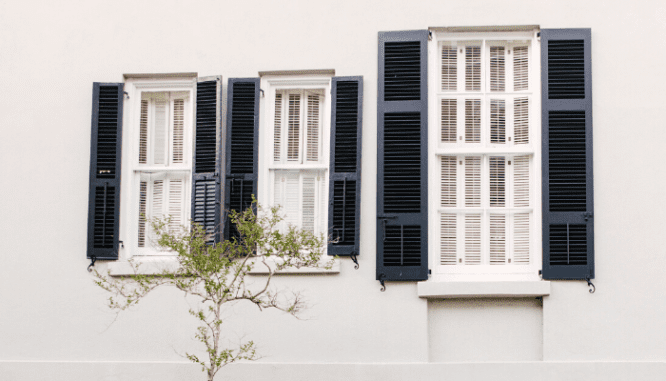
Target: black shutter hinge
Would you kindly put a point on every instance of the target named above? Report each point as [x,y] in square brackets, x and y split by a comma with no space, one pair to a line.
[589,283]
[262,92]
[429,272]
[588,215]
[381,281]
[126,94]
[429,35]
[354,259]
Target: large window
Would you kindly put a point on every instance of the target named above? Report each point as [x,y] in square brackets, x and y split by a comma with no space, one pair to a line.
[295,130]
[484,154]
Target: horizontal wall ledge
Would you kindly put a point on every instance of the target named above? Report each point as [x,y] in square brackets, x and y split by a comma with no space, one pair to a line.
[251,371]
[506,289]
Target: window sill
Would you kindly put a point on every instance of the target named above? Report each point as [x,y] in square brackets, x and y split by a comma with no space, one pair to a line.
[157,265]
[499,289]
[260,269]
[147,266]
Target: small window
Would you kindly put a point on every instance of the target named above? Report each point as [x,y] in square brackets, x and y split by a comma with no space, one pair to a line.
[158,157]
[296,127]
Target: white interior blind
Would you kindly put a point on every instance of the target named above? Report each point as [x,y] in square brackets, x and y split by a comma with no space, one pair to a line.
[497,68]
[449,68]
[473,68]
[277,128]
[294,132]
[520,68]
[164,170]
[449,120]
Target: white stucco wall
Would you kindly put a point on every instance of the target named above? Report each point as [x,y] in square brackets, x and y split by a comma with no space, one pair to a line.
[53,320]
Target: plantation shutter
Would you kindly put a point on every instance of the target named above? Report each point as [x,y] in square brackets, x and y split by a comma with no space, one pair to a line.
[568,223]
[206,180]
[344,194]
[402,161]
[241,147]
[105,158]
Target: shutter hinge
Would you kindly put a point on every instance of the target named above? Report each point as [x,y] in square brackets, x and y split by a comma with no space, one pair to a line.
[589,283]
[354,259]
[126,94]
[262,92]
[429,272]
[588,215]
[429,35]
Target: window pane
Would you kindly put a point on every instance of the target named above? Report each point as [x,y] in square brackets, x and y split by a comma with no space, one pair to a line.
[449,120]
[497,121]
[497,181]
[313,128]
[449,68]
[497,68]
[473,68]
[294,132]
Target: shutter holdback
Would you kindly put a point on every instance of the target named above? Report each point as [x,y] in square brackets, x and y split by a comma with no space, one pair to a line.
[589,283]
[93,259]
[381,281]
[354,259]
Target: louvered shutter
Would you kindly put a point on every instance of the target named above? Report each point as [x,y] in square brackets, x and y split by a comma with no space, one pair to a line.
[344,194]
[105,158]
[568,226]
[241,147]
[206,180]
[402,127]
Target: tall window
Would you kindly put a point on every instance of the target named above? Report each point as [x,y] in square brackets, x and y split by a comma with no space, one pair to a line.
[486,138]
[161,166]
[296,171]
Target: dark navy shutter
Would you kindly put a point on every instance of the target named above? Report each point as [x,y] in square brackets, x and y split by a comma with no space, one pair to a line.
[568,208]
[206,174]
[402,156]
[241,147]
[344,193]
[105,157]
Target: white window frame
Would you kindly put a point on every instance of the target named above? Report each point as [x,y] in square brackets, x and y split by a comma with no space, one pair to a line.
[436,149]
[131,169]
[271,84]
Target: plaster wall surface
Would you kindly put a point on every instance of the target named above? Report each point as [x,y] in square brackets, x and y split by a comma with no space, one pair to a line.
[50,311]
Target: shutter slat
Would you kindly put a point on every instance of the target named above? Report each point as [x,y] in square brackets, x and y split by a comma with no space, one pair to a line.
[344,194]
[206,181]
[105,159]
[242,152]
[402,161]
[568,223]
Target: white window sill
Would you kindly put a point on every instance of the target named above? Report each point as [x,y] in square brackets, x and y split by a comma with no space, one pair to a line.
[260,268]
[157,265]
[147,266]
[498,289]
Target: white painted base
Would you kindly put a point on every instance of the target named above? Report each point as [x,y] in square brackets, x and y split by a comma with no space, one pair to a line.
[514,371]
[444,290]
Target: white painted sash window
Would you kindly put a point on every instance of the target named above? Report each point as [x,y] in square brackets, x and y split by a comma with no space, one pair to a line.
[160,140]
[484,161]
[296,128]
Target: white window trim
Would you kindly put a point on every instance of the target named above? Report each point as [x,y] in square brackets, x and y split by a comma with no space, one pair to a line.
[461,274]
[151,263]
[270,84]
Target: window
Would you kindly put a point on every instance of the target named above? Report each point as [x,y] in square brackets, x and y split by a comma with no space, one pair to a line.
[295,129]
[484,159]
[484,155]
[157,159]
